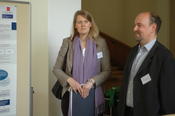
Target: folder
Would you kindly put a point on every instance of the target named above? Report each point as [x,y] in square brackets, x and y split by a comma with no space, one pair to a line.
[83,106]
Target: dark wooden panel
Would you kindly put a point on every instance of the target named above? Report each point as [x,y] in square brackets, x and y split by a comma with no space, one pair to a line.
[118,50]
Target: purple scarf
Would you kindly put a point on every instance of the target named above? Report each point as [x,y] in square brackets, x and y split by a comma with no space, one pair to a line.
[84,70]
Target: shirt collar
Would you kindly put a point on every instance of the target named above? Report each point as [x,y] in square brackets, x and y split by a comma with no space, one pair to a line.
[149,45]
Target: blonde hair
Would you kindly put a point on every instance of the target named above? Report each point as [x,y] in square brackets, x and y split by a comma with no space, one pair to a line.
[93,33]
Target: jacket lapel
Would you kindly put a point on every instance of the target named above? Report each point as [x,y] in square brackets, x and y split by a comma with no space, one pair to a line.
[70,56]
[148,59]
[131,60]
[128,65]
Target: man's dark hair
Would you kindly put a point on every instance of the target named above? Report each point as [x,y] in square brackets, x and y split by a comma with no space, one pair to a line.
[155,19]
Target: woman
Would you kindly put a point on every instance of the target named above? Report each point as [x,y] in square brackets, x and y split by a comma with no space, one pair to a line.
[83,59]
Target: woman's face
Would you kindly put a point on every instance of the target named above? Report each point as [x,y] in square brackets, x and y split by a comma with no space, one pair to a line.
[82,25]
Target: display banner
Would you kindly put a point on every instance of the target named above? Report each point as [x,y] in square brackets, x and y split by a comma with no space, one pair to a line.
[8,60]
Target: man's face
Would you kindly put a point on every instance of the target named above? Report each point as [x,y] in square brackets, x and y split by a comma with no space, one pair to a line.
[143,29]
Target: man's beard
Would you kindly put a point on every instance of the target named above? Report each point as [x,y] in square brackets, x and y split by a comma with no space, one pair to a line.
[137,37]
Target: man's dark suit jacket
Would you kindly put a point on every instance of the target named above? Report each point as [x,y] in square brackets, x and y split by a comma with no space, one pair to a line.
[157,97]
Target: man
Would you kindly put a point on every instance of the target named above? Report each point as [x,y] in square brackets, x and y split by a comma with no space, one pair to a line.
[149,77]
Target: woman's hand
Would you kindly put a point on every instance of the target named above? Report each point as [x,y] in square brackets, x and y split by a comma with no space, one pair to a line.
[86,88]
[75,85]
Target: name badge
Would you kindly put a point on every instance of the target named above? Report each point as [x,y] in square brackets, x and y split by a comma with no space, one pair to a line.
[145,79]
[99,55]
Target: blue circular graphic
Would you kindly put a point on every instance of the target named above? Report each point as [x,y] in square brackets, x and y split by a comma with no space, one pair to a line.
[3,74]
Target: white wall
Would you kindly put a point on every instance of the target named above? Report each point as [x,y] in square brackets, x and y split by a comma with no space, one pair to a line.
[60,17]
[39,48]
